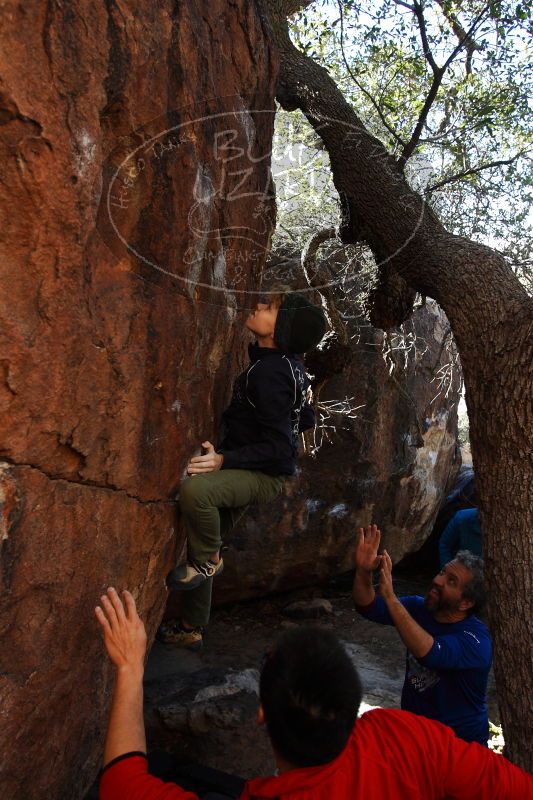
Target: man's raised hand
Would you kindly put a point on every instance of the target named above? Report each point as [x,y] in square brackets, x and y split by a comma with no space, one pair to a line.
[385,577]
[210,462]
[366,548]
[123,629]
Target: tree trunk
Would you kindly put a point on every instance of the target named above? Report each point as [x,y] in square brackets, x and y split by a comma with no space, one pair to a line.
[492,321]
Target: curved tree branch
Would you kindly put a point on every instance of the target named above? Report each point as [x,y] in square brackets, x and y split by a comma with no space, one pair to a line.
[418,10]
[473,171]
[467,36]
[469,43]
[315,277]
[412,144]
[438,74]
[334,353]
[360,86]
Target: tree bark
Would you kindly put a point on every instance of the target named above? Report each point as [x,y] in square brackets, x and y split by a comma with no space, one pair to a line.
[492,320]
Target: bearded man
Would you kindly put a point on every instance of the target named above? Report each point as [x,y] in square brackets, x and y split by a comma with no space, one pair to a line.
[449,650]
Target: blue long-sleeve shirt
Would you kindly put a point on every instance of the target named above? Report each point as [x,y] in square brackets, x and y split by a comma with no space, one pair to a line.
[448,684]
[269,408]
[462,532]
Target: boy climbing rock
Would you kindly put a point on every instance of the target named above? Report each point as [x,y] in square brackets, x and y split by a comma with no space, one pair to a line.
[257,451]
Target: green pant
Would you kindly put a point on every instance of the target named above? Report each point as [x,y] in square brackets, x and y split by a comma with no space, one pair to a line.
[211,506]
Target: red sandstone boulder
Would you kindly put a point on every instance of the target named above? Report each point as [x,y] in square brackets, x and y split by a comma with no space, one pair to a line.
[130,233]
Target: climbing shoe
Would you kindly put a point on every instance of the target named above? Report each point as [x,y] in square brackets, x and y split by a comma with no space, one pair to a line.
[193,573]
[172,632]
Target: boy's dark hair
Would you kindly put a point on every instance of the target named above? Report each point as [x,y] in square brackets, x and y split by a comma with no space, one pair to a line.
[299,325]
[310,692]
[277,293]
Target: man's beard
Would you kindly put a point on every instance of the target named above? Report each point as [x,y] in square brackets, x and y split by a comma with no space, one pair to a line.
[435,602]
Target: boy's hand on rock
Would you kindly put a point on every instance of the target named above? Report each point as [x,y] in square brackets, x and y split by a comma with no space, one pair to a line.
[210,462]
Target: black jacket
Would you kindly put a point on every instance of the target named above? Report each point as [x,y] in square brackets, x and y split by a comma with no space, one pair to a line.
[268,409]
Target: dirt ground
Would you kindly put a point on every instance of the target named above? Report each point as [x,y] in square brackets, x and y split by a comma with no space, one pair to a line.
[235,641]
[221,731]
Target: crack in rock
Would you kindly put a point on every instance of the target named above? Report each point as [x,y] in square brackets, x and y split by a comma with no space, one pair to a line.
[7,464]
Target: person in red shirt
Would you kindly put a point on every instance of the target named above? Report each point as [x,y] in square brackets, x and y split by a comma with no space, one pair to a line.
[309,698]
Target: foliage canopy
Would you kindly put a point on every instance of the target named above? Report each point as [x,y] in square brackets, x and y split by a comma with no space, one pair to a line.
[446,87]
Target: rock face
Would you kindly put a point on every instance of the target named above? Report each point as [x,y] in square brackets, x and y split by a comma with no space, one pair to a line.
[136,208]
[368,468]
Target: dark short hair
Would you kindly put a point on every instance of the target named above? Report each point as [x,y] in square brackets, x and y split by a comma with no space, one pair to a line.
[277,293]
[310,692]
[475,589]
